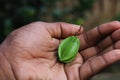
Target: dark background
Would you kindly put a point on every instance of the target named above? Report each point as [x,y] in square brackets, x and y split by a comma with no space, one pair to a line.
[16,13]
[90,13]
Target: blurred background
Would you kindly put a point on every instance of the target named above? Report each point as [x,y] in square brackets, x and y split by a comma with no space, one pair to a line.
[16,13]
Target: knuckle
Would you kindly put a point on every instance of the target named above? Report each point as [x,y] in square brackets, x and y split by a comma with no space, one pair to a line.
[60,23]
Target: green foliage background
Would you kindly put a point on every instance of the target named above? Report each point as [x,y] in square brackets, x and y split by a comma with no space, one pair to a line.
[16,13]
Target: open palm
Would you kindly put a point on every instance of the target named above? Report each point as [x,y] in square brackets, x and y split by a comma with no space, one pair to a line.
[32,51]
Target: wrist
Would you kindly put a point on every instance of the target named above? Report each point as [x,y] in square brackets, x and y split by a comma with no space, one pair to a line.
[6,72]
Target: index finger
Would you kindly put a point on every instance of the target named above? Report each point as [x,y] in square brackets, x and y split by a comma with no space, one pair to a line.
[62,29]
[93,36]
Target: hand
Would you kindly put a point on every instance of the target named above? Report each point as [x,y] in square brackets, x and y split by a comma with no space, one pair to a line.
[31,51]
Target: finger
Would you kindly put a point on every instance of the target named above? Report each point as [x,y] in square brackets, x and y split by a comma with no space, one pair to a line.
[109,43]
[62,30]
[112,47]
[89,52]
[98,63]
[93,36]
[110,40]
[99,48]
[72,69]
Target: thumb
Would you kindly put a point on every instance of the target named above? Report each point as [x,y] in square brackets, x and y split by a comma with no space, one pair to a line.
[63,30]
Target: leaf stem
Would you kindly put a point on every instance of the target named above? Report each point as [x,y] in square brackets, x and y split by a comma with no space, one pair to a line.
[77,33]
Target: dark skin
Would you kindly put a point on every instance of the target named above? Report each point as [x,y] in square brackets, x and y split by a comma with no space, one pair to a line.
[30,53]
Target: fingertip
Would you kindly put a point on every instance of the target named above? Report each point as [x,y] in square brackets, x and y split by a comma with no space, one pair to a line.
[112,25]
[115,24]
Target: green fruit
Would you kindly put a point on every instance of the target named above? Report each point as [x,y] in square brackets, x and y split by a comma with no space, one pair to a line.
[68,49]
